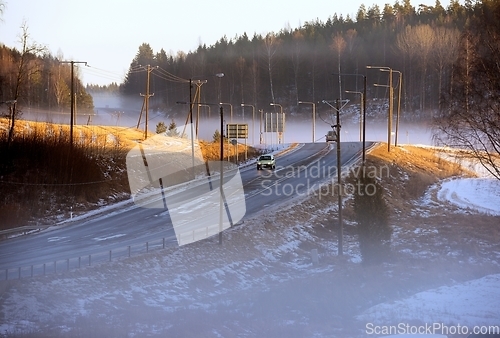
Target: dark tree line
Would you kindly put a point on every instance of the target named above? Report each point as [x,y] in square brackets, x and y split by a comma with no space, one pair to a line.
[283,67]
[297,64]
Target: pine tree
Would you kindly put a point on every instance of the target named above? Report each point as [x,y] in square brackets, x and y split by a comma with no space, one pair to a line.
[216,136]
[161,128]
[172,129]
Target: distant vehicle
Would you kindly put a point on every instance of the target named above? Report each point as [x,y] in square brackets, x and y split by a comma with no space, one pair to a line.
[266,161]
[331,136]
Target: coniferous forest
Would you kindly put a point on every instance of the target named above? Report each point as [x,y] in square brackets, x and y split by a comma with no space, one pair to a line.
[425,44]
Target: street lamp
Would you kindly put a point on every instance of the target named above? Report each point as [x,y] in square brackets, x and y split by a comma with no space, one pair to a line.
[283,119]
[360,113]
[399,106]
[313,119]
[205,105]
[364,111]
[253,119]
[261,111]
[391,94]
[221,166]
[231,110]
[399,102]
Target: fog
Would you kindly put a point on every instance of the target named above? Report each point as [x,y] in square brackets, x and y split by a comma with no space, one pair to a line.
[113,110]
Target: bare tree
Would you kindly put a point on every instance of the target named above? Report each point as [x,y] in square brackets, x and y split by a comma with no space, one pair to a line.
[271,44]
[408,50]
[445,50]
[424,40]
[26,68]
[240,68]
[338,45]
[298,40]
[471,121]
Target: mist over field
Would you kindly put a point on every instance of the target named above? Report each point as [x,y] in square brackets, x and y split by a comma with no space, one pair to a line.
[115,110]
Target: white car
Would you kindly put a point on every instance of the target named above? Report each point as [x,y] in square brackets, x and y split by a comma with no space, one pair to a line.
[266,161]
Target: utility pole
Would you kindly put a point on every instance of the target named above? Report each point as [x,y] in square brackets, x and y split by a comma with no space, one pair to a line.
[198,83]
[337,126]
[146,96]
[72,113]
[339,181]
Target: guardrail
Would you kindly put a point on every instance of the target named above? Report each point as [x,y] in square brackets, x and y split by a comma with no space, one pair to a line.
[65,265]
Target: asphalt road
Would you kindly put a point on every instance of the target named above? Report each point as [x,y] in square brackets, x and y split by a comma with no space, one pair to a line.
[126,231]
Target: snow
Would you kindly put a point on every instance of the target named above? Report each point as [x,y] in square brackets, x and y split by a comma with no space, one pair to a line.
[473,303]
[480,194]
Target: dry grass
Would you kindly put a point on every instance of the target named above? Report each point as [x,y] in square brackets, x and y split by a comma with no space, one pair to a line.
[412,170]
[41,175]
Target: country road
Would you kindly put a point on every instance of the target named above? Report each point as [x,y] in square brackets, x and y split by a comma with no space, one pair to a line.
[130,228]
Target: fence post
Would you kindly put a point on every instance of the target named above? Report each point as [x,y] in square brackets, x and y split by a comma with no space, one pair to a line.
[19,272]
[79,261]
[163,242]
[67,264]
[110,255]
[55,266]
[129,251]
[44,269]
[90,258]
[147,246]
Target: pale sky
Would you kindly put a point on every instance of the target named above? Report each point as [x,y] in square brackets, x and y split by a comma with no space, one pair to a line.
[107,33]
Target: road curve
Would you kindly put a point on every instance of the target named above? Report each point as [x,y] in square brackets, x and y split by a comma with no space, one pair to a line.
[298,172]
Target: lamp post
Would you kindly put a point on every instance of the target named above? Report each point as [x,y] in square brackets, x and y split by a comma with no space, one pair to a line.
[261,111]
[283,119]
[230,111]
[361,122]
[313,119]
[253,119]
[205,105]
[221,166]
[221,179]
[399,106]
[364,110]
[399,102]
[391,103]
[230,121]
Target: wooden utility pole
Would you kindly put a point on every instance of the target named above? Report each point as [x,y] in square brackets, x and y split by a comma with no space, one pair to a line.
[149,69]
[339,182]
[72,111]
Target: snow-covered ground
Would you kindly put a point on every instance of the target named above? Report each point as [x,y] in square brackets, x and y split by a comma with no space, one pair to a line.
[264,281]
[469,304]
[479,194]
